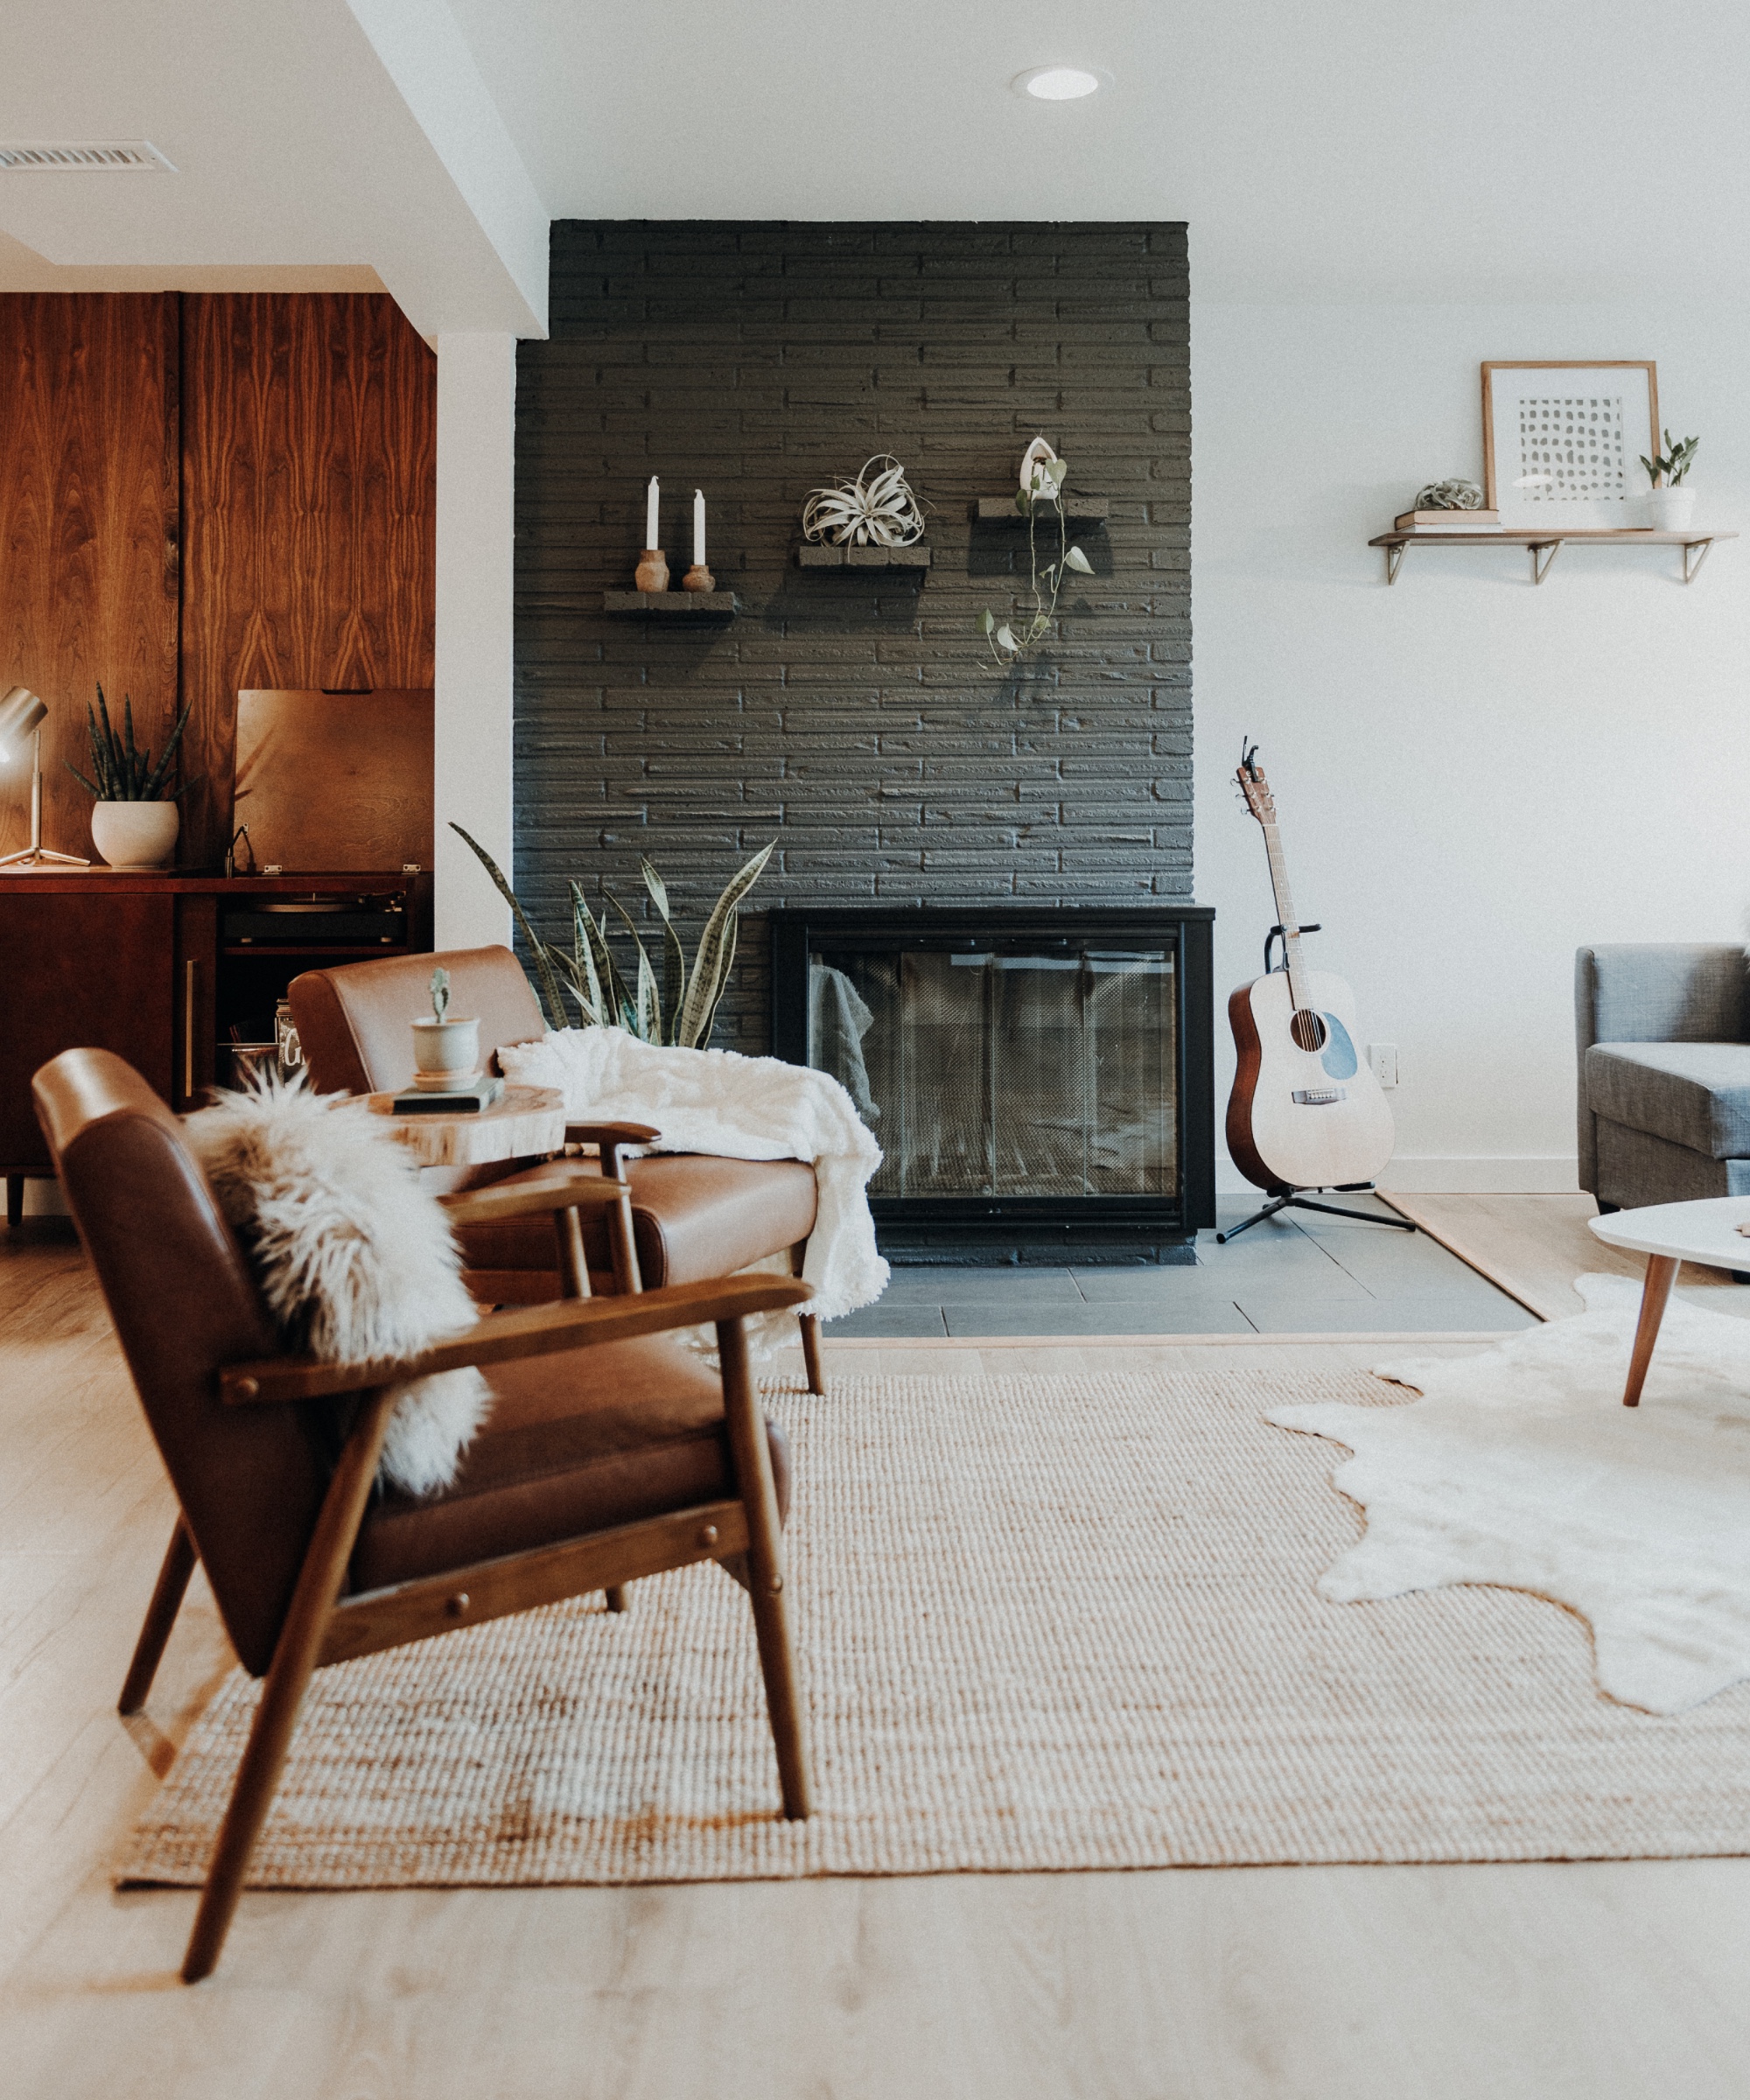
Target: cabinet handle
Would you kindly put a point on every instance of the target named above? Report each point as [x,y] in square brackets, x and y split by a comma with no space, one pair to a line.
[189,970]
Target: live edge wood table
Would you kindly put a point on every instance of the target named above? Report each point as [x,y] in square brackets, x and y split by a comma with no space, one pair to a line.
[525,1123]
[1668,1235]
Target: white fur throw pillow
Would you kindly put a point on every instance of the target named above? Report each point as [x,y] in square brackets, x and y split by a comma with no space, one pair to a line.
[355,1259]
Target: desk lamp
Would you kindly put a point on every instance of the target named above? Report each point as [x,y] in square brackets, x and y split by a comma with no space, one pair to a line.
[22,715]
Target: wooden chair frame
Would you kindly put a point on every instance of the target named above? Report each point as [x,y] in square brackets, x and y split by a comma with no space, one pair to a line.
[323,1627]
[492,1286]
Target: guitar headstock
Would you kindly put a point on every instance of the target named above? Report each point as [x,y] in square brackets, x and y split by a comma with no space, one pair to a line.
[1254,786]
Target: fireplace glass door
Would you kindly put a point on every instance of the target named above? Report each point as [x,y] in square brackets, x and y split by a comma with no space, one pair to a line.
[1002,1071]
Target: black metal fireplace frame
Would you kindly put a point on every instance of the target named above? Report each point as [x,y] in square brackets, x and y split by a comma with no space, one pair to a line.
[982,1228]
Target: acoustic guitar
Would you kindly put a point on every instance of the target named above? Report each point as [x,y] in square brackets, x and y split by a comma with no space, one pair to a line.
[1305,1111]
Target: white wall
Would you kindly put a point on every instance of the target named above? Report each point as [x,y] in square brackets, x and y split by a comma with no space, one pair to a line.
[1473,776]
[476,520]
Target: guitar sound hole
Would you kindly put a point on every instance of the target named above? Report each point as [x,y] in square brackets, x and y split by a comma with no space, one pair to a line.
[1308,1030]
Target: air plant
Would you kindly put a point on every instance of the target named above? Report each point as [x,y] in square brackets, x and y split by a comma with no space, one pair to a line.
[126,774]
[1046,475]
[1667,469]
[680,1008]
[874,510]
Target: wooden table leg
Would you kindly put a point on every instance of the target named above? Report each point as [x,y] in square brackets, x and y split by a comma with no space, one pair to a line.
[1656,1295]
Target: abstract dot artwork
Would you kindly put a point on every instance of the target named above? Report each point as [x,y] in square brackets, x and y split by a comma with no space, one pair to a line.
[1570,450]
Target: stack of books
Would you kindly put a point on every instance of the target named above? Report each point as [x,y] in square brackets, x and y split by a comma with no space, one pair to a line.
[1448,520]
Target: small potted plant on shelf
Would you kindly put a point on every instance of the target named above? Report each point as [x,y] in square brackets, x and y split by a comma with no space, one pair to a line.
[134,823]
[1670,506]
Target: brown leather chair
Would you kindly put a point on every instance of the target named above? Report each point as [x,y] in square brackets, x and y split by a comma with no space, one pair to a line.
[693,1215]
[611,1453]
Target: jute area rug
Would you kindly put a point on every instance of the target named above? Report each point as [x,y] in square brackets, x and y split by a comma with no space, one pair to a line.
[1043,1622]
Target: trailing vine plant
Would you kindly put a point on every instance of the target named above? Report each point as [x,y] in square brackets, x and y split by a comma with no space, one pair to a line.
[1043,490]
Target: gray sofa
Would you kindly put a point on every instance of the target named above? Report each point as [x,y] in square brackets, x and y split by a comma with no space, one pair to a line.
[1664,1073]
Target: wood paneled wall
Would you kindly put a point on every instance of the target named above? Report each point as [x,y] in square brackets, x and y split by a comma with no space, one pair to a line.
[286,442]
[309,510]
[89,526]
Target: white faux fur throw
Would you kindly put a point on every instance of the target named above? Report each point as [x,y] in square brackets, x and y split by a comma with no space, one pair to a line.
[355,1259]
[739,1107]
[1520,1465]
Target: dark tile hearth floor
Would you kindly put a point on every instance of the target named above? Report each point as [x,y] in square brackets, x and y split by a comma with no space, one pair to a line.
[1317,1276]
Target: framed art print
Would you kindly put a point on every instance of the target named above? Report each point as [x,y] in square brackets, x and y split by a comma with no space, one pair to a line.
[1562,443]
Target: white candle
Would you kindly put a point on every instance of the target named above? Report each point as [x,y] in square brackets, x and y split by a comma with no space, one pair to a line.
[698,528]
[650,539]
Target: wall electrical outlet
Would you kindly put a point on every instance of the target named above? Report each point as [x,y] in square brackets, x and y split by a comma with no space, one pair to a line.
[1383,1062]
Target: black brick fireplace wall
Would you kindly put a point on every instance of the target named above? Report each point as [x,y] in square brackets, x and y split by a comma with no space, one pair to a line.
[854,716]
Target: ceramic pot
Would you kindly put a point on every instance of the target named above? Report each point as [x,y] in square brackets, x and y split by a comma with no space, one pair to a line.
[135,834]
[445,1053]
[1670,509]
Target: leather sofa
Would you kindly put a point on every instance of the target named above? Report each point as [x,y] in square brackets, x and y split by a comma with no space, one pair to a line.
[1663,1040]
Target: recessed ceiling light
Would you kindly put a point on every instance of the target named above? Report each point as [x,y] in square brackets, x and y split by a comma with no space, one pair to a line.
[1061,83]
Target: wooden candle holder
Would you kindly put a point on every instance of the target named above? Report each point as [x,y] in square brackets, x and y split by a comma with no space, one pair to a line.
[698,577]
[652,573]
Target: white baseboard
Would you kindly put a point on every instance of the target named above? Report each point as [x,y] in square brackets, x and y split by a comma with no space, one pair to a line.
[1456,1173]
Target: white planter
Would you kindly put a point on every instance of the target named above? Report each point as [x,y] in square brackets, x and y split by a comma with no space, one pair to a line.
[1670,509]
[135,834]
[445,1052]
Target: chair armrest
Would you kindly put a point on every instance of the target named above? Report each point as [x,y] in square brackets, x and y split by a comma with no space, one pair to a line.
[608,1138]
[610,1133]
[505,1337]
[563,1191]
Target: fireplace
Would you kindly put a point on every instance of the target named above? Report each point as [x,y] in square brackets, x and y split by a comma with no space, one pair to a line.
[1039,1082]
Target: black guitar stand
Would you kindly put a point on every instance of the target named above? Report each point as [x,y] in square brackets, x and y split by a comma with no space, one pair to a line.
[1286,1199]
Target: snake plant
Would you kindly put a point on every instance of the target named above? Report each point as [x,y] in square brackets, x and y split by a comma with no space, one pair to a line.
[680,1008]
[125,774]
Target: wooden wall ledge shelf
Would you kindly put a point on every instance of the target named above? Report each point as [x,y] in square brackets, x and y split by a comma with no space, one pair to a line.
[1000,510]
[672,605]
[1545,546]
[809,556]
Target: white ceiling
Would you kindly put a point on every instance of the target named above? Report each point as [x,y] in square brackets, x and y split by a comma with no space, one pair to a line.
[1502,150]
[1510,148]
[317,143]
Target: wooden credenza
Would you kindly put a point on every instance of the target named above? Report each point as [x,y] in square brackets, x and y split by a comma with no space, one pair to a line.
[168,971]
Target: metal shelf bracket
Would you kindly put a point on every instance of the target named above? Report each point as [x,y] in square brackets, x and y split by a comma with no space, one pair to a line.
[1543,553]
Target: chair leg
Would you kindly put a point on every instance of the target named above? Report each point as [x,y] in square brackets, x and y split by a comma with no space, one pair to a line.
[809,1323]
[167,1596]
[765,1559]
[811,1351]
[300,1643]
[616,1598]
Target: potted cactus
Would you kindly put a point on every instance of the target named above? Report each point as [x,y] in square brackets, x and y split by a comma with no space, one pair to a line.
[446,1053]
[1670,506]
[134,823]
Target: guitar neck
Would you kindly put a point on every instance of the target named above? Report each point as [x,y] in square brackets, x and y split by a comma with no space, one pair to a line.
[1285,914]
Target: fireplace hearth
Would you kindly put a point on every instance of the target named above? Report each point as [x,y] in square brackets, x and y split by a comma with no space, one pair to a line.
[1040,1081]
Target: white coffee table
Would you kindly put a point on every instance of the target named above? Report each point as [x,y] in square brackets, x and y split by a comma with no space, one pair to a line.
[1668,1235]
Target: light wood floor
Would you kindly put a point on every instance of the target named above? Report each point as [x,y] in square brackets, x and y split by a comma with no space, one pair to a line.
[1518,1982]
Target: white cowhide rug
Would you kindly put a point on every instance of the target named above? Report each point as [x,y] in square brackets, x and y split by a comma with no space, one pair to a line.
[1519,1467]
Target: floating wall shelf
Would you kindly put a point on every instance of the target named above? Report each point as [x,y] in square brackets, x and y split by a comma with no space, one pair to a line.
[1000,510]
[809,556]
[672,605]
[1545,546]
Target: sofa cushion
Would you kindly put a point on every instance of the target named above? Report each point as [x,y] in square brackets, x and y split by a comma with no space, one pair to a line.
[694,1216]
[1693,1094]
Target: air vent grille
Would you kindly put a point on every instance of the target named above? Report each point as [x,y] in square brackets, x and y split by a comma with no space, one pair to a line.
[124,157]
